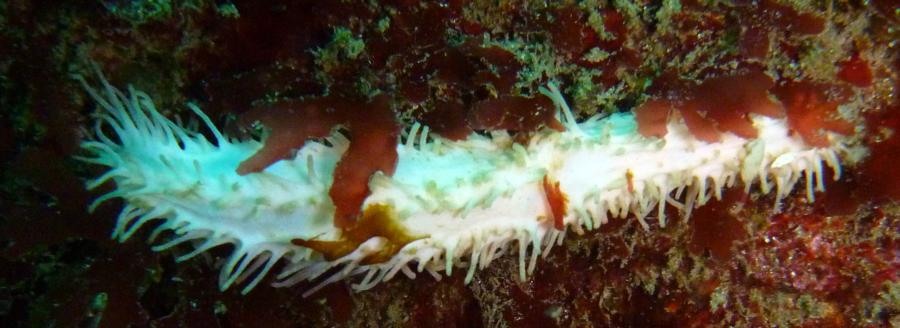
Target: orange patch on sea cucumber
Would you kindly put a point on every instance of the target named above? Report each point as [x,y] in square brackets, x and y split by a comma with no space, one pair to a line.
[377,220]
[630,178]
[557,200]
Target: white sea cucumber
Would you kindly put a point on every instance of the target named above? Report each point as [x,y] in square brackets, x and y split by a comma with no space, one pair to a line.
[467,201]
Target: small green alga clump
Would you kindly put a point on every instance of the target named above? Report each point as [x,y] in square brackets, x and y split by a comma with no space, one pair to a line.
[344,46]
[140,11]
[228,10]
[788,309]
[886,306]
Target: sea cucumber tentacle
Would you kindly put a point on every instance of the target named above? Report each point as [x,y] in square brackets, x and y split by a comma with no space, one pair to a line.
[468,201]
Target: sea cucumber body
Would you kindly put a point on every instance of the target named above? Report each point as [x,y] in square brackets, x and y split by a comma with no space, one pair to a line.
[470,200]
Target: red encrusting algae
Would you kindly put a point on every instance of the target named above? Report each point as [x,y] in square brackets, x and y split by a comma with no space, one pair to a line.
[692,28]
[570,33]
[760,18]
[879,171]
[856,71]
[617,56]
[715,227]
[809,254]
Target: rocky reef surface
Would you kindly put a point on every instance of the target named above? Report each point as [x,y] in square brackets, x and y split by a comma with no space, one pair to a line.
[736,262]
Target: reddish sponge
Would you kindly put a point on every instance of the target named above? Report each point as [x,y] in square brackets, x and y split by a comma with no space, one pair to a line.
[811,113]
[515,113]
[728,100]
[292,123]
[723,104]
[373,147]
[652,118]
[373,139]
[718,104]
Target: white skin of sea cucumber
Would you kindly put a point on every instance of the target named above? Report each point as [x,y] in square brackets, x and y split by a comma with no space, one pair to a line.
[455,194]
